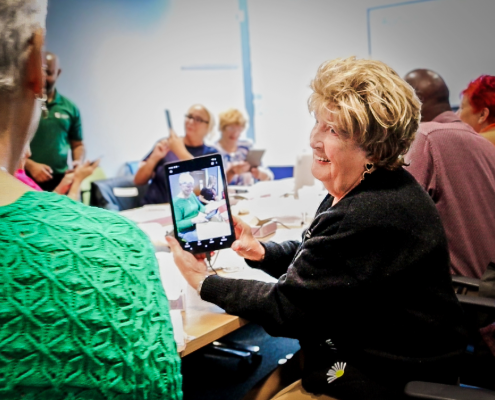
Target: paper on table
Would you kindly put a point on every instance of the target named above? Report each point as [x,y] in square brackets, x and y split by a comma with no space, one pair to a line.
[160,213]
[173,282]
[155,232]
[179,335]
[229,260]
[285,210]
[214,205]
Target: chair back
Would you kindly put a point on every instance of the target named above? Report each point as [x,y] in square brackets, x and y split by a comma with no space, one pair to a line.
[117,194]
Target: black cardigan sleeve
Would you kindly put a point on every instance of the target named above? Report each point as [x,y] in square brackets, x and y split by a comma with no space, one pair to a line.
[285,308]
[277,257]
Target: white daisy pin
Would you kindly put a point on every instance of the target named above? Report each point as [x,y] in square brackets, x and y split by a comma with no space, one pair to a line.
[336,371]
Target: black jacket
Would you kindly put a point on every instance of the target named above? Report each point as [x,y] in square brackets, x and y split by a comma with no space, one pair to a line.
[368,288]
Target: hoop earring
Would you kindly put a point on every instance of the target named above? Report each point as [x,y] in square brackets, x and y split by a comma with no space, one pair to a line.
[368,169]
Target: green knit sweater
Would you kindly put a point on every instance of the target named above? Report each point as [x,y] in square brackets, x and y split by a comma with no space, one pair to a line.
[83,314]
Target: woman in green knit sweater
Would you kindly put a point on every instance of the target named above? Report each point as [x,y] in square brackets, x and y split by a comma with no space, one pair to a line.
[188,210]
[83,314]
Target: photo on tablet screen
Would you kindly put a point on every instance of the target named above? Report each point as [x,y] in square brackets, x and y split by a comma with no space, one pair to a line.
[200,207]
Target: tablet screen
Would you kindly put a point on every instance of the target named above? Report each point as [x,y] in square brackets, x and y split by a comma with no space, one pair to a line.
[200,204]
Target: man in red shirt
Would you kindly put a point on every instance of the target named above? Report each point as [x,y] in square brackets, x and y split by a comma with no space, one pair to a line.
[456,166]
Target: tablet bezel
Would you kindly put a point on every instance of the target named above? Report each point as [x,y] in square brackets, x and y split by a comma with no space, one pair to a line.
[199,163]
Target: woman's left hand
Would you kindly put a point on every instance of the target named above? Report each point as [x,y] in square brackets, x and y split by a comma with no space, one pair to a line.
[193,268]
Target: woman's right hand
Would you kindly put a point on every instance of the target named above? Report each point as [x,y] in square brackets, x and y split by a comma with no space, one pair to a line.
[240,167]
[161,150]
[246,245]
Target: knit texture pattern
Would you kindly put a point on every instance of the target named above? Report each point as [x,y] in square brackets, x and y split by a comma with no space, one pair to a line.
[83,314]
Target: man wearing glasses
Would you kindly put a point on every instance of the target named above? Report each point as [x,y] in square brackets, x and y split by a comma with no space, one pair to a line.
[199,122]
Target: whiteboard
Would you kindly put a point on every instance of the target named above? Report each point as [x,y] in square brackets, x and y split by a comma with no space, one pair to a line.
[452,37]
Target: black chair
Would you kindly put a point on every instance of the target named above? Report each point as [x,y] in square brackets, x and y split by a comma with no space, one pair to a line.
[477,375]
[116,194]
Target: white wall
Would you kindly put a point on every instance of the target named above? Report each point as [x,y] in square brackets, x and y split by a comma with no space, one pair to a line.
[126,60]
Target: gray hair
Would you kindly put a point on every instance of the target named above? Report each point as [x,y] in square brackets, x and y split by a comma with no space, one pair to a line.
[186,177]
[19,19]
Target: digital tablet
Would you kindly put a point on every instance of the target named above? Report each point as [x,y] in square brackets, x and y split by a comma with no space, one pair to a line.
[254,157]
[200,204]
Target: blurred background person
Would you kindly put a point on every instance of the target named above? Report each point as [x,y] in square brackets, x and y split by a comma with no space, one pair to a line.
[199,122]
[84,314]
[478,106]
[368,259]
[58,132]
[209,192]
[70,184]
[456,166]
[235,150]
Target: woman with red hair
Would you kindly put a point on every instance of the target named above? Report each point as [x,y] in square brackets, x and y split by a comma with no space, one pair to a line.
[478,106]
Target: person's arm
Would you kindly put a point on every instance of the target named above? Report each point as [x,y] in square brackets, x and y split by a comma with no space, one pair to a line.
[40,172]
[76,138]
[178,147]
[80,173]
[147,167]
[262,173]
[236,168]
[78,151]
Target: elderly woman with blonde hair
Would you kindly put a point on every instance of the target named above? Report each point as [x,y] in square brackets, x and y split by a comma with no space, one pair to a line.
[83,314]
[235,150]
[367,290]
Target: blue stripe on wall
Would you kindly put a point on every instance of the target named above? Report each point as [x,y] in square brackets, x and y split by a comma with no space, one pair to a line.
[246,66]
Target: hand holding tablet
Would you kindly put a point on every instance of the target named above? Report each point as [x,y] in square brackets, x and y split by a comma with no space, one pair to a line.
[199,228]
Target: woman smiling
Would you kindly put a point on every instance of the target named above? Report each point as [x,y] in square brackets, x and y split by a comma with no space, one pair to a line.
[367,291]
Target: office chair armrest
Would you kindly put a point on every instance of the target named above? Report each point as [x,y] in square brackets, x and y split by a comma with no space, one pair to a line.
[437,391]
[473,283]
[484,302]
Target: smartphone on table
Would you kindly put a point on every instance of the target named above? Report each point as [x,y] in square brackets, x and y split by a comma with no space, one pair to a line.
[200,228]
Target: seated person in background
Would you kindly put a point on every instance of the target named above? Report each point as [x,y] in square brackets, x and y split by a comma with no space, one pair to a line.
[367,291]
[478,106]
[199,122]
[187,209]
[83,311]
[456,166]
[209,192]
[234,151]
[58,132]
[71,182]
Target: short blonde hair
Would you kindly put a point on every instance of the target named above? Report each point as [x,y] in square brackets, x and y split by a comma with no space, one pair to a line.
[230,117]
[371,105]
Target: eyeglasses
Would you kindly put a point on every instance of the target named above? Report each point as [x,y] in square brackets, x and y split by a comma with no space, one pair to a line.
[196,119]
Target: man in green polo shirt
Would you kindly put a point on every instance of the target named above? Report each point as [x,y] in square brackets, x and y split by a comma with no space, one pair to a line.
[59,130]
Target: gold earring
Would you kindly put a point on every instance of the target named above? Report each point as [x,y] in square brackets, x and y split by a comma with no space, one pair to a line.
[368,169]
